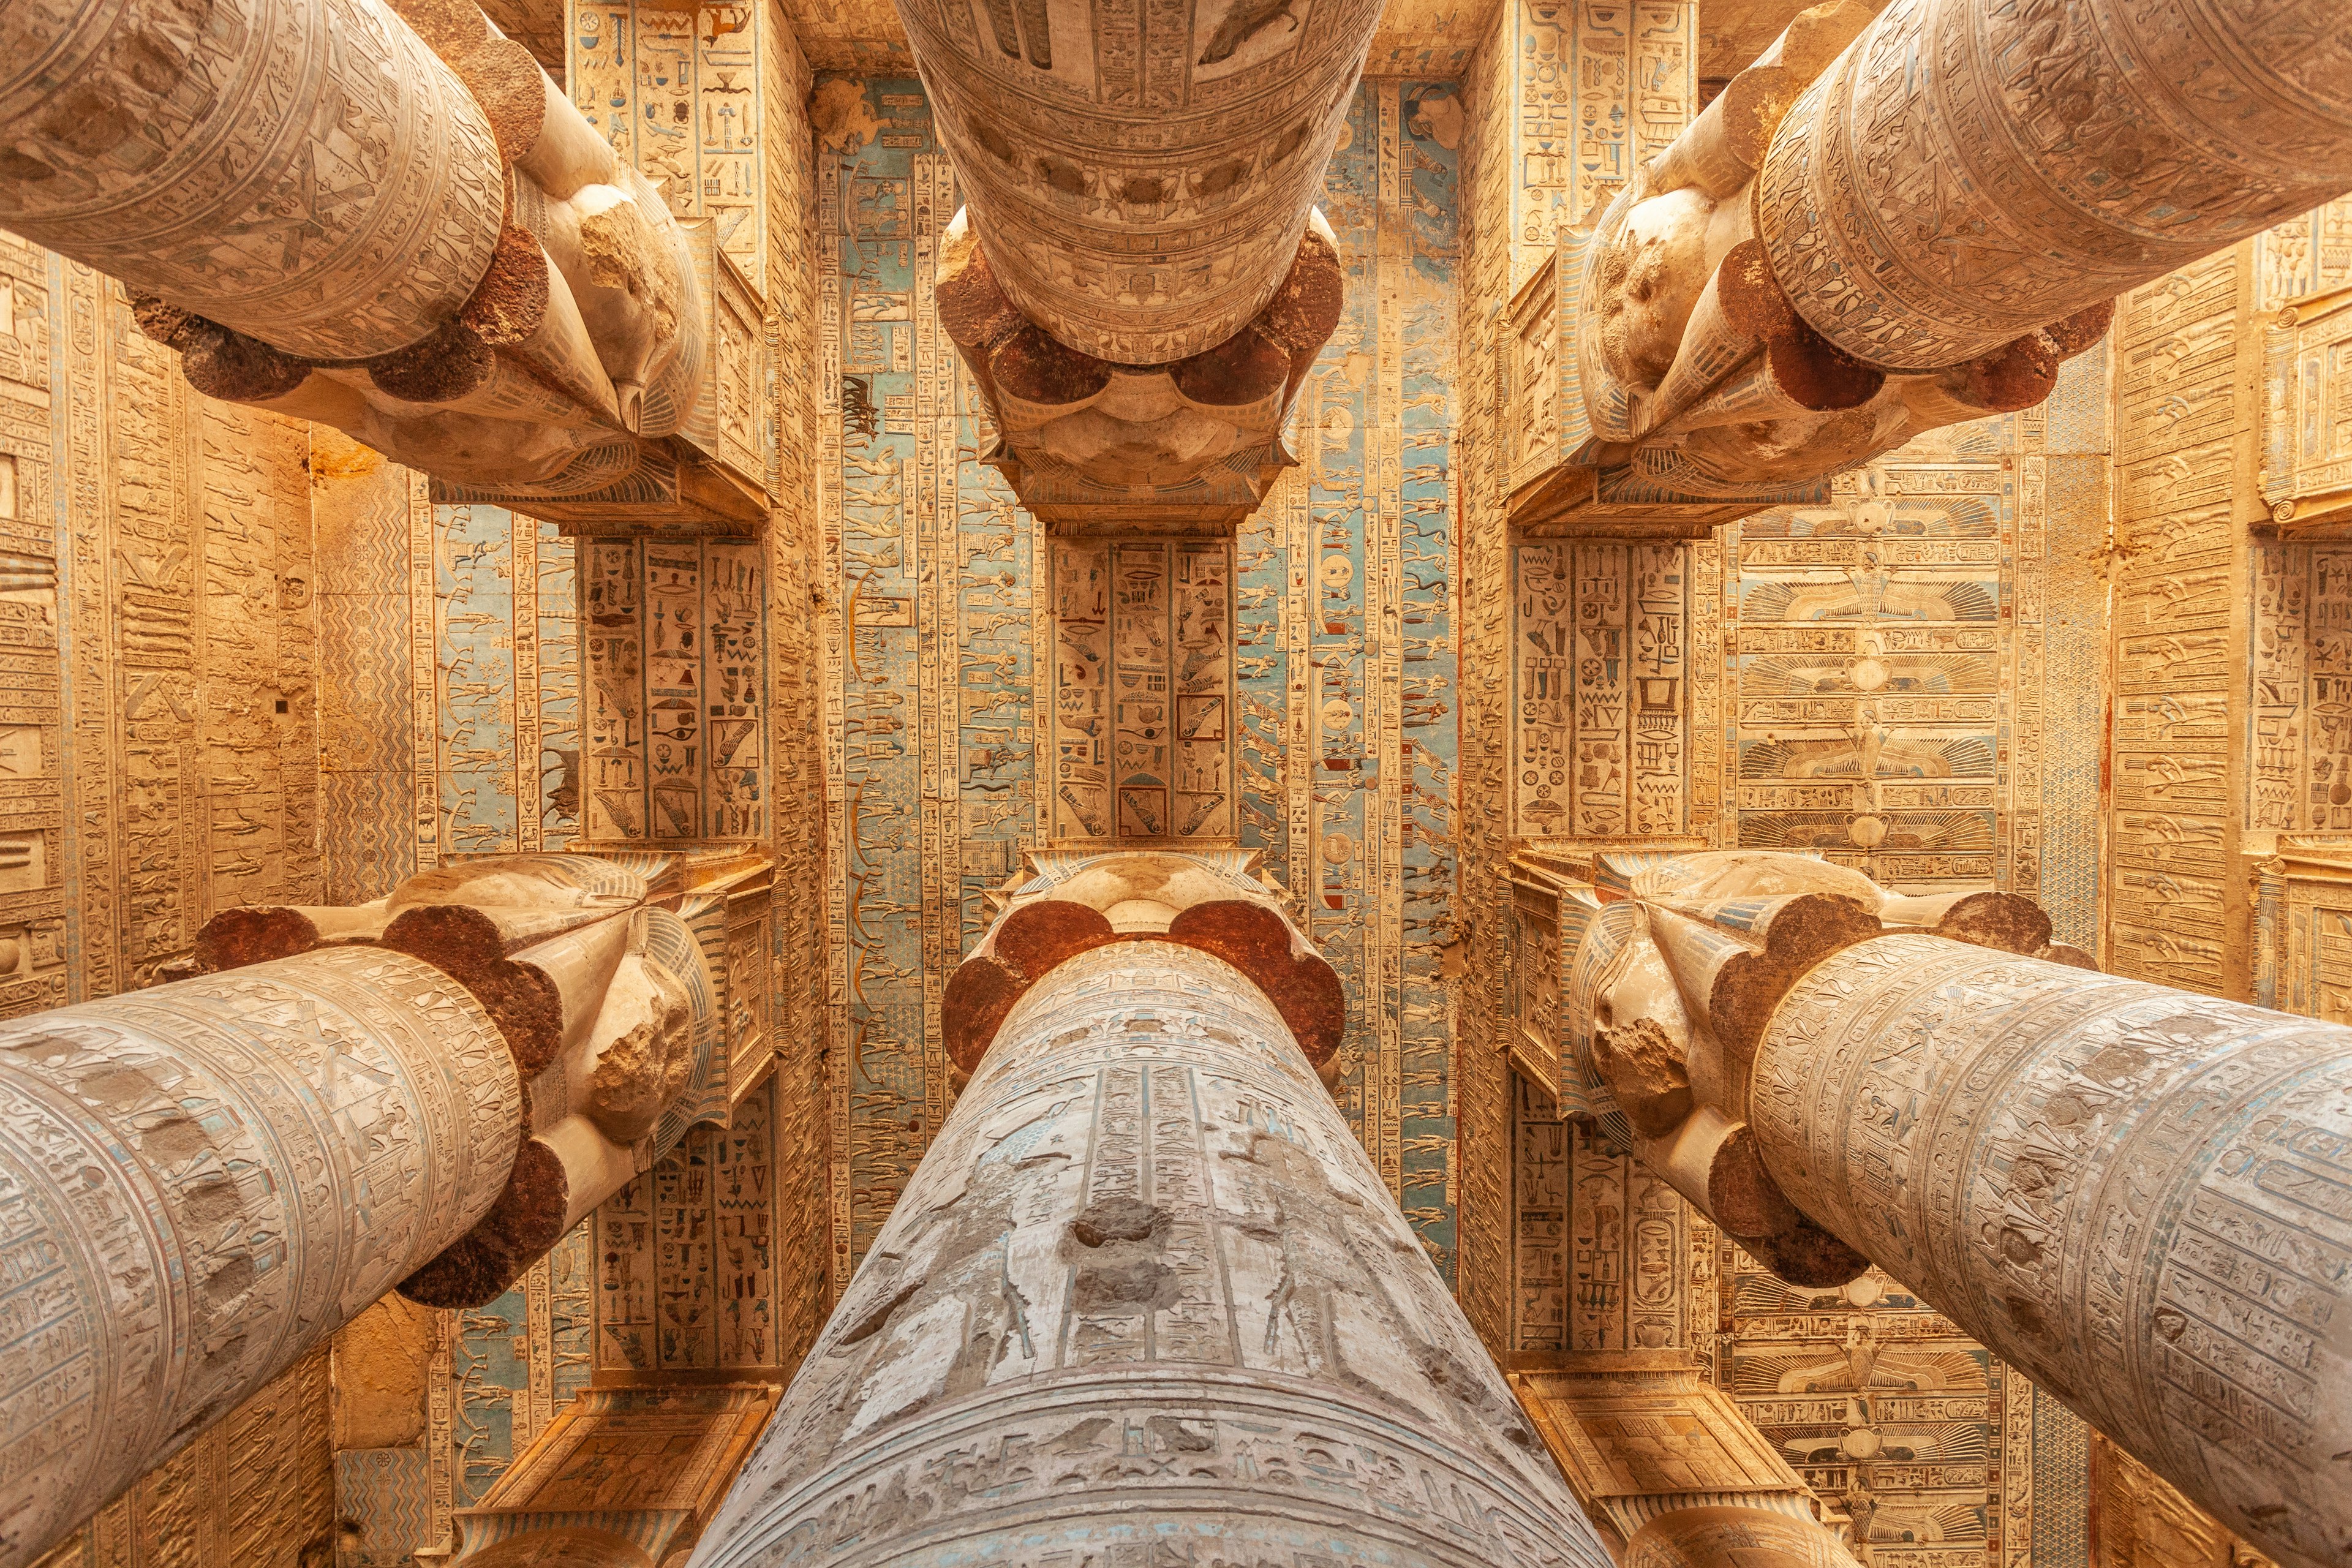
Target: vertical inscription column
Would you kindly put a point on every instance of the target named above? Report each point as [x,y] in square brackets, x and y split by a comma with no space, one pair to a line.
[1142,747]
[1142,1288]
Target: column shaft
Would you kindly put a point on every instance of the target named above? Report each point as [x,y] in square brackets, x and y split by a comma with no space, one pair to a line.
[2141,1196]
[1146,1295]
[200,1181]
[1968,172]
[303,170]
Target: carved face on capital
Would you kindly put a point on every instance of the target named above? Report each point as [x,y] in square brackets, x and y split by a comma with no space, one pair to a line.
[1650,278]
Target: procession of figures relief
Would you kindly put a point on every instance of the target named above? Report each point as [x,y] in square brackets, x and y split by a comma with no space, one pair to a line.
[1290,689]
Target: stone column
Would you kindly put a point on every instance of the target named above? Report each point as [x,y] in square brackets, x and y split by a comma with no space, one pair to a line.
[305,171]
[1967,173]
[1146,1296]
[387,218]
[1139,280]
[200,1181]
[1140,187]
[1899,220]
[2141,1196]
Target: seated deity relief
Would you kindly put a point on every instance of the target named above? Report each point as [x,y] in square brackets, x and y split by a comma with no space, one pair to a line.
[604,998]
[1188,446]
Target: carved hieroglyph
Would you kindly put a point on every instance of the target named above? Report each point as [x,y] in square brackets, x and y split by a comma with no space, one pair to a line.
[209,1176]
[1139,181]
[1142,699]
[1146,1294]
[2135,1194]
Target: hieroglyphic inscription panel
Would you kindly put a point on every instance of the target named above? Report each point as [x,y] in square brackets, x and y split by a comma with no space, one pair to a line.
[1916,669]
[675,690]
[1870,665]
[685,1275]
[1892,1415]
[1596,91]
[1607,1257]
[1603,667]
[1143,700]
[2300,764]
[678,95]
[158,755]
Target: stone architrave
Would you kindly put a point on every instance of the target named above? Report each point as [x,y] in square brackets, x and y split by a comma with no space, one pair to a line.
[623,1475]
[1669,1465]
[1146,1295]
